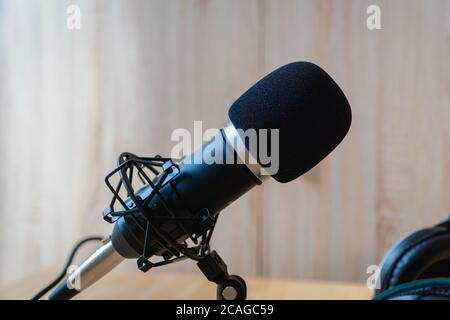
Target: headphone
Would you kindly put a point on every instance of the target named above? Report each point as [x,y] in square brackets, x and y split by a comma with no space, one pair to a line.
[418,266]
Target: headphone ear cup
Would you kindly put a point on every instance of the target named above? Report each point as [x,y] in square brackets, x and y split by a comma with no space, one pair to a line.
[422,254]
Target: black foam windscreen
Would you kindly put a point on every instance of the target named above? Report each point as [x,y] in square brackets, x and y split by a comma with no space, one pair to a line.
[306,105]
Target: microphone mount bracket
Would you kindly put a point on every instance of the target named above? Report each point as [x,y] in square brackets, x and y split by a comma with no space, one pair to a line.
[196,247]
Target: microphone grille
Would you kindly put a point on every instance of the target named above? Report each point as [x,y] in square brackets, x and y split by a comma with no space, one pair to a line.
[306,105]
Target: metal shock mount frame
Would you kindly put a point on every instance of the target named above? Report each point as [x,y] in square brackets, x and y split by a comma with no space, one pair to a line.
[196,247]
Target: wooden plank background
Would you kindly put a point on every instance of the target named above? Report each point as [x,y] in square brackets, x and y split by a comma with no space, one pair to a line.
[71,101]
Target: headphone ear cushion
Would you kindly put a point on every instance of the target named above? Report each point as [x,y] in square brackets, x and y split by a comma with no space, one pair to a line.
[423,254]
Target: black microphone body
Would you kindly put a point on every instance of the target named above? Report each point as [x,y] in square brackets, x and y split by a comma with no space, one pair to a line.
[197,189]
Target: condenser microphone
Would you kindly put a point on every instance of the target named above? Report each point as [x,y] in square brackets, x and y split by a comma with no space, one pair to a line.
[299,101]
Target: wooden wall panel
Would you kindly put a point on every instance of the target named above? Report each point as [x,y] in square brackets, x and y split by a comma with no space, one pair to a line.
[45,103]
[333,206]
[124,82]
[71,101]
[413,131]
[386,178]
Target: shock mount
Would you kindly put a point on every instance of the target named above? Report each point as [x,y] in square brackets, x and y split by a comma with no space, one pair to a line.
[155,173]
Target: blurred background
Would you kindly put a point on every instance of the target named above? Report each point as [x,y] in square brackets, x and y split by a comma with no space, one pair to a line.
[72,100]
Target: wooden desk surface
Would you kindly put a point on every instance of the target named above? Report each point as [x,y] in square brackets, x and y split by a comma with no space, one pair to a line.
[154,286]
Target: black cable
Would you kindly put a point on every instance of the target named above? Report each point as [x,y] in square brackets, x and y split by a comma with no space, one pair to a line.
[69,260]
